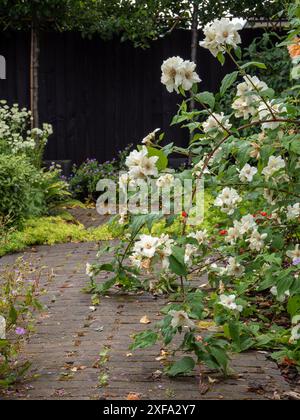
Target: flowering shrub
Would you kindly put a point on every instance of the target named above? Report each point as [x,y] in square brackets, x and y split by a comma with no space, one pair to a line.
[18,299]
[84,179]
[251,256]
[17,138]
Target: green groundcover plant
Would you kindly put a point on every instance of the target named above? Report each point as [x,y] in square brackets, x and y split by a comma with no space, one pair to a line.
[19,291]
[250,257]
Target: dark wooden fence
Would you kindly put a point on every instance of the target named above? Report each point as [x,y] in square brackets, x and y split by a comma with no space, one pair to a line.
[99,95]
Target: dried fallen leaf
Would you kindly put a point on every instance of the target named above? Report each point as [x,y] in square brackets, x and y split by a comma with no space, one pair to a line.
[157,374]
[132,396]
[205,325]
[145,320]
[163,356]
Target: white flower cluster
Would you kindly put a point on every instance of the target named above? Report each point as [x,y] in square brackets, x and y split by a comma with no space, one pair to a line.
[13,129]
[165,181]
[140,165]
[178,73]
[228,200]
[247,99]
[274,165]
[219,34]
[201,236]
[217,122]
[148,247]
[245,225]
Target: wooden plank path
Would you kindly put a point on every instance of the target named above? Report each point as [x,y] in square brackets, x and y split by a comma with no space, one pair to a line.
[69,335]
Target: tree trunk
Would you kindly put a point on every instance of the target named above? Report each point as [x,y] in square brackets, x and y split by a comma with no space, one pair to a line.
[194,43]
[34,74]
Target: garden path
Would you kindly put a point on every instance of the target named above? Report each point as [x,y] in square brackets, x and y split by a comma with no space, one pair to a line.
[64,350]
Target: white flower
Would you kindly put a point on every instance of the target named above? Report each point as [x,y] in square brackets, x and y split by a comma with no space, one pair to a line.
[176,73]
[181,319]
[170,77]
[219,34]
[148,166]
[146,246]
[135,157]
[165,250]
[150,137]
[293,212]
[251,84]
[165,181]
[245,224]
[274,165]
[216,122]
[188,76]
[247,173]
[264,113]
[228,200]
[243,108]
[256,240]
[294,254]
[89,270]
[201,236]
[245,105]
[189,251]
[140,165]
[2,328]
[228,301]
[234,268]
[295,333]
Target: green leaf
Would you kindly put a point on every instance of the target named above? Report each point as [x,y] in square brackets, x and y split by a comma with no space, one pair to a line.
[295,146]
[228,81]
[176,267]
[206,98]
[284,284]
[162,162]
[293,306]
[103,288]
[254,63]
[221,58]
[13,315]
[184,365]
[220,356]
[106,267]
[234,331]
[144,340]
